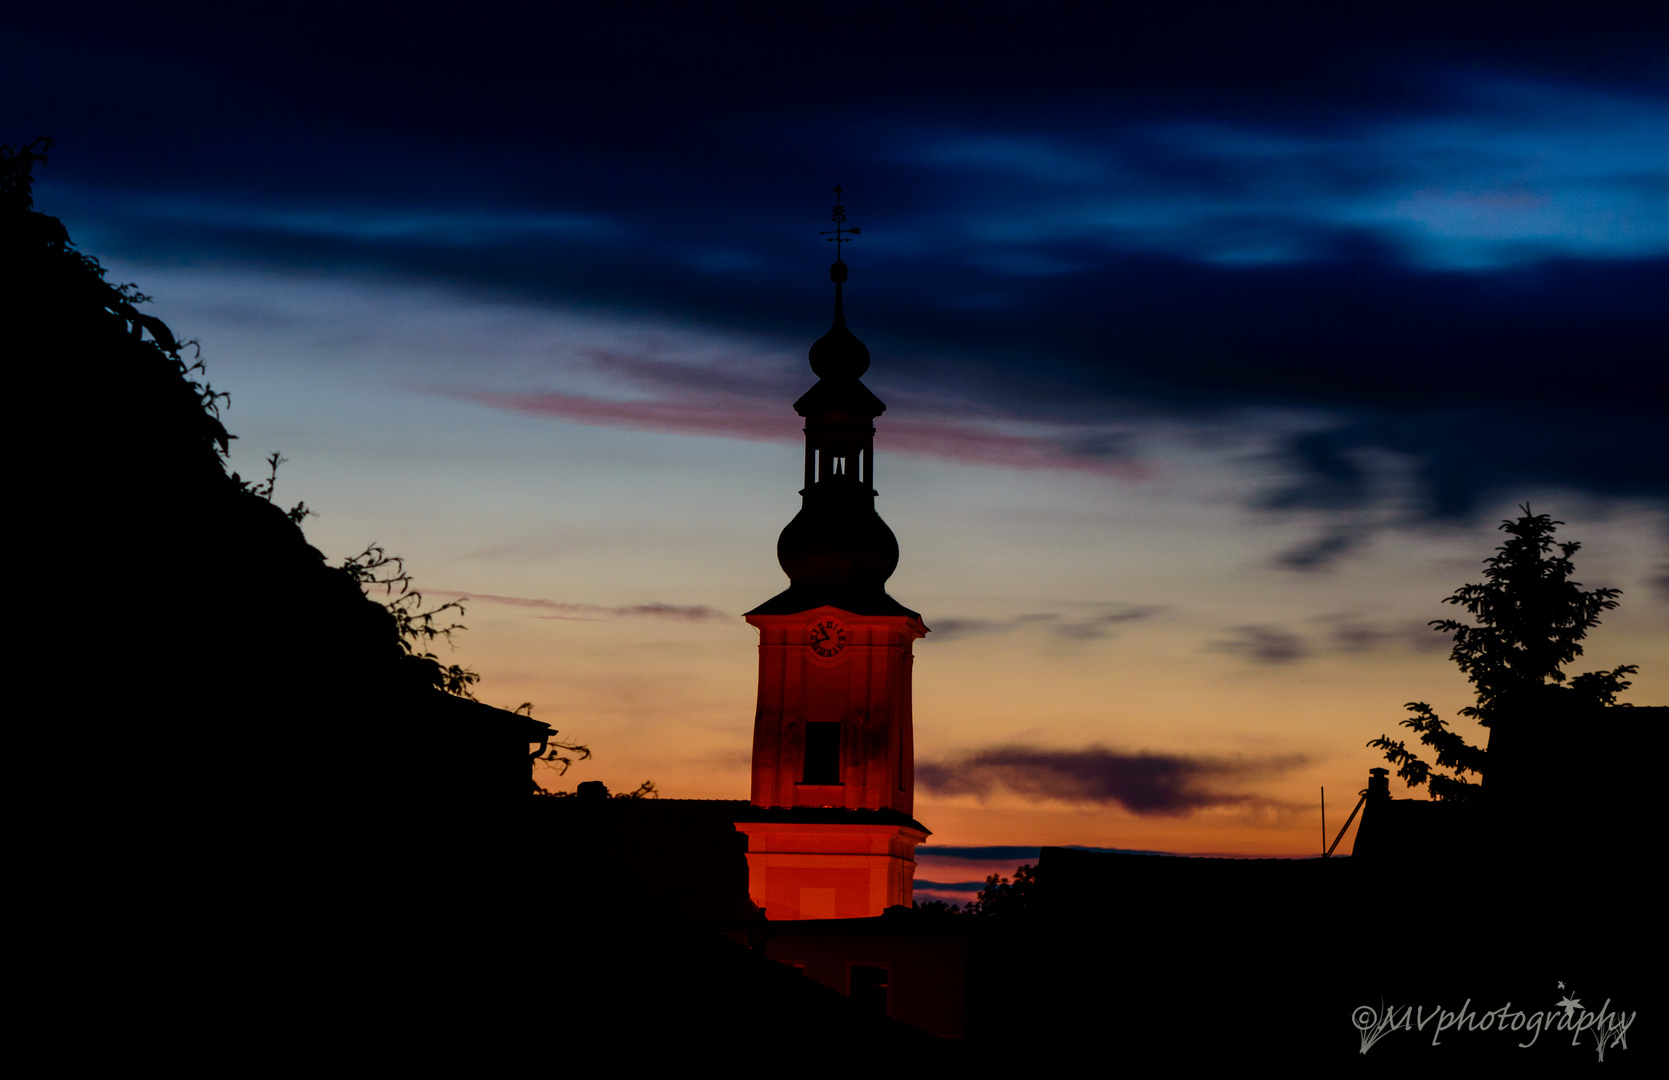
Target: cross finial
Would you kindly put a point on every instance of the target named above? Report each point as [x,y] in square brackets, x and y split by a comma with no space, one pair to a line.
[837,235]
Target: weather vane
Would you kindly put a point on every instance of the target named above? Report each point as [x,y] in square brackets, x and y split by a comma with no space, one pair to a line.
[837,235]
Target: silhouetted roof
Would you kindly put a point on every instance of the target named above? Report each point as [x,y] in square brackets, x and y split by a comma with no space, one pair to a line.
[830,815]
[1077,887]
[840,396]
[684,854]
[1417,829]
[805,595]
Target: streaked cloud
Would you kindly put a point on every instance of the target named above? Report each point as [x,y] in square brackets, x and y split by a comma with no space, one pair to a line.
[986,853]
[1320,552]
[1349,634]
[439,225]
[1142,783]
[1262,644]
[584,612]
[1503,171]
[1077,628]
[713,400]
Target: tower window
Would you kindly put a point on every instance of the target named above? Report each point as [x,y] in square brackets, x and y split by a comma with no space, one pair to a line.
[822,754]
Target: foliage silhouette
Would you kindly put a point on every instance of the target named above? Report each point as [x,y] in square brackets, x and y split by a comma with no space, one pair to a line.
[999,898]
[645,790]
[1530,621]
[559,756]
[246,626]
[417,628]
[265,488]
[1003,898]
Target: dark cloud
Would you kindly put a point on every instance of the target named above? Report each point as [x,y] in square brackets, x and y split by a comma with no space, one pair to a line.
[1074,628]
[954,629]
[1603,439]
[1189,212]
[1012,853]
[1355,637]
[1263,644]
[948,886]
[1156,784]
[764,419]
[1425,638]
[1102,626]
[987,853]
[1319,553]
[1352,635]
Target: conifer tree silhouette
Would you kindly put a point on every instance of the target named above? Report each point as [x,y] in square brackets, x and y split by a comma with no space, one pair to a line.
[1530,619]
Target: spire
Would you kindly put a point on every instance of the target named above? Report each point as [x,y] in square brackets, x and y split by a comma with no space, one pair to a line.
[837,236]
[837,550]
[839,354]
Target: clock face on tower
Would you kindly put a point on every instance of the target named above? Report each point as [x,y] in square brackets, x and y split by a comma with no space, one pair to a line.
[827,637]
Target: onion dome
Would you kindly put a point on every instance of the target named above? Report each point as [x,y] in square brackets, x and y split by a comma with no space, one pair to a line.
[838,354]
[837,550]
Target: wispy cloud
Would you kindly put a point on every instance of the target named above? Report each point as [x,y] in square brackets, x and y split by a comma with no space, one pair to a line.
[1417,253]
[442,226]
[591,612]
[1505,171]
[1262,644]
[752,403]
[1105,625]
[730,419]
[986,853]
[1352,635]
[1319,553]
[1148,784]
[1091,628]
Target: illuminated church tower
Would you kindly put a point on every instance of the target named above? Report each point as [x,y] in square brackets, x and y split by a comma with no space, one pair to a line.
[830,831]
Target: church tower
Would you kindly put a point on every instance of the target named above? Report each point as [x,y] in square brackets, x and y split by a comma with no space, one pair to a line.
[830,831]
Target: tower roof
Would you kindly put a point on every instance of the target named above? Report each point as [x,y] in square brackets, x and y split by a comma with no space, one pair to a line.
[837,551]
[839,359]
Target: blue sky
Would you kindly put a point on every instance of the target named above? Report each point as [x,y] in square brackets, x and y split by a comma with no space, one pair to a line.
[1229,328]
[1422,237]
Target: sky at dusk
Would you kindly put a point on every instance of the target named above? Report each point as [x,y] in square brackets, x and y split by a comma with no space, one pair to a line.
[1215,345]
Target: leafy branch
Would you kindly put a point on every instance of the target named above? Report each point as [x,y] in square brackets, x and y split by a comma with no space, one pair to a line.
[418,626]
[558,755]
[264,488]
[1453,752]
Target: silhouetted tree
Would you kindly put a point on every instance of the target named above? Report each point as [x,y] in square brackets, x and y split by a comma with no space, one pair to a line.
[1005,899]
[182,594]
[1530,621]
[374,568]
